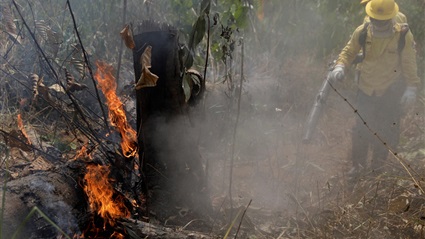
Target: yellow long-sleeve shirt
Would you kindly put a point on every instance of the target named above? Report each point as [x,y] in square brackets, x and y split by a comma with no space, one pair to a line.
[383,64]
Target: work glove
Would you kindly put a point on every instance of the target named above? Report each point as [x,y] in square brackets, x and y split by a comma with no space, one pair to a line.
[409,97]
[337,74]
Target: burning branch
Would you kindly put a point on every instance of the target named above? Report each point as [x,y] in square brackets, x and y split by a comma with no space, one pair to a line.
[83,153]
[117,115]
[22,129]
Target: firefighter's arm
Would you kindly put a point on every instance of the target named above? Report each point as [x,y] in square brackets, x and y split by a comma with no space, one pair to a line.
[408,62]
[350,51]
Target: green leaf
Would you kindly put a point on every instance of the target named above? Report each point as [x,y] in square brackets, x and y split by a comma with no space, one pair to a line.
[186,57]
[186,86]
[241,16]
[227,17]
[198,32]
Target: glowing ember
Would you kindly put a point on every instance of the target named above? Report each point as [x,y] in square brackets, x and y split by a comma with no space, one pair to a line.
[117,115]
[22,128]
[101,195]
[82,153]
[117,235]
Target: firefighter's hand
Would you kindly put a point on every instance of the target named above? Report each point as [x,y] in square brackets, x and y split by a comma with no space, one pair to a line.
[337,74]
[409,97]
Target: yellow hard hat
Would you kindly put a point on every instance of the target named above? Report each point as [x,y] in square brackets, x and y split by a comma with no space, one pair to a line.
[381,9]
[364,1]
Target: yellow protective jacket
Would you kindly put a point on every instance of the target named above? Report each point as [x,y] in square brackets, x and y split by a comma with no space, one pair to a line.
[382,64]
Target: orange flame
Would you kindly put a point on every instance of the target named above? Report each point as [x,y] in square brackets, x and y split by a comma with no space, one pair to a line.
[101,195]
[117,114]
[82,153]
[22,128]
[117,235]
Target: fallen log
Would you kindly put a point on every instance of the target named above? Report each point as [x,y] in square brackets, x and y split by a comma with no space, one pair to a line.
[56,193]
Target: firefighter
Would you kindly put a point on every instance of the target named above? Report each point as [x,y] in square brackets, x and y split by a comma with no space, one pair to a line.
[399,18]
[387,85]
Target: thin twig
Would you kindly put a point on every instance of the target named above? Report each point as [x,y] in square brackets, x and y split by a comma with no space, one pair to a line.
[235,128]
[36,42]
[3,196]
[23,142]
[318,194]
[207,162]
[76,106]
[88,132]
[216,215]
[302,208]
[122,41]
[207,56]
[88,65]
[190,222]
[41,213]
[231,224]
[281,234]
[243,215]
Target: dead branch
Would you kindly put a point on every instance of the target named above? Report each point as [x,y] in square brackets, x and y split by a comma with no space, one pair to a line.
[88,65]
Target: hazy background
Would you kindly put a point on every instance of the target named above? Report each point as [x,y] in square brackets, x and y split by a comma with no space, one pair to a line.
[287,47]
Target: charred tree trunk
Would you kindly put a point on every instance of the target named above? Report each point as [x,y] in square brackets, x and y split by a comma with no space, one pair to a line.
[56,193]
[174,176]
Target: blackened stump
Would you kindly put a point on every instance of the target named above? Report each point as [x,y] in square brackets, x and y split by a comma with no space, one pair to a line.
[171,164]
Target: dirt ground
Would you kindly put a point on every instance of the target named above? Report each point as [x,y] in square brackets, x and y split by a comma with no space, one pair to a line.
[301,190]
